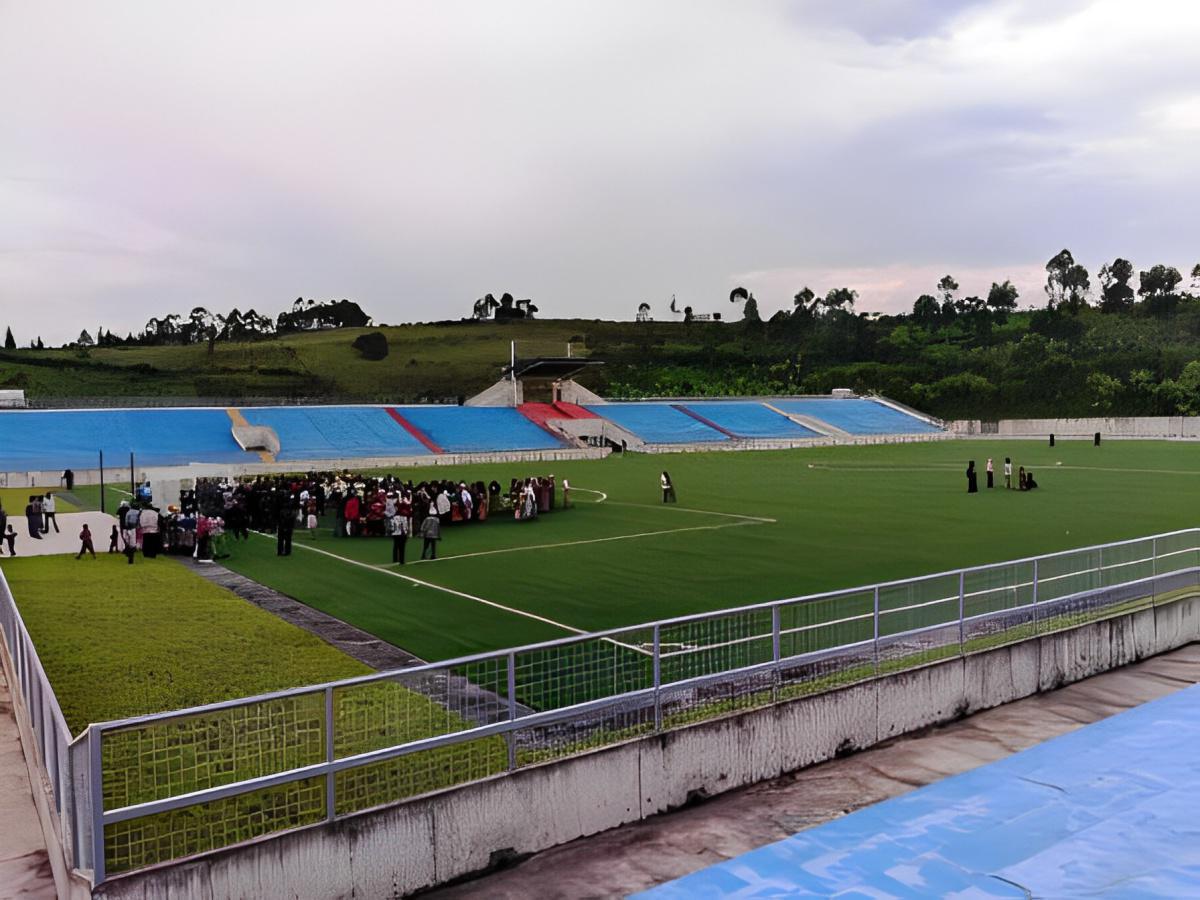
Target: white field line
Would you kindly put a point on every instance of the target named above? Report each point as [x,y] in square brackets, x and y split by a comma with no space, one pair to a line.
[742,520]
[464,595]
[950,467]
[603,496]
[704,512]
[672,507]
[617,537]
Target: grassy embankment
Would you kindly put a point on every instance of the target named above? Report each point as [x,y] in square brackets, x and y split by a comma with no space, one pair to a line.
[118,641]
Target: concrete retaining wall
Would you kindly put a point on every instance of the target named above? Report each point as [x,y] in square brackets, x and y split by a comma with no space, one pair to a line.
[503,393]
[444,836]
[256,437]
[1146,427]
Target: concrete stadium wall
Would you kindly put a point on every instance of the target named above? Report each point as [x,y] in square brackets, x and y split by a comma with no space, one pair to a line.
[1146,427]
[256,437]
[503,393]
[443,836]
[571,391]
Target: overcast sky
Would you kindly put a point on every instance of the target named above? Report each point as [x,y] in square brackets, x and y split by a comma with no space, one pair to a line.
[158,156]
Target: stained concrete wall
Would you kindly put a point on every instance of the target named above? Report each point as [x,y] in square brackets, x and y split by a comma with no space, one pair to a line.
[503,393]
[571,391]
[1144,427]
[443,836]
[256,437]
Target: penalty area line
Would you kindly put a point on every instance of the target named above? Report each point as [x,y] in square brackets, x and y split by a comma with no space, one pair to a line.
[437,587]
[673,508]
[603,540]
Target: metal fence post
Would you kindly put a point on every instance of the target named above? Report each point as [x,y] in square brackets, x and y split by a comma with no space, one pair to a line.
[1100,568]
[96,783]
[778,675]
[510,738]
[36,715]
[330,780]
[962,647]
[1035,595]
[1153,571]
[875,620]
[657,665]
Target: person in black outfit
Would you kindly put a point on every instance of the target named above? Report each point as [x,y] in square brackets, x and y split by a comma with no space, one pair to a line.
[972,478]
[68,478]
[112,540]
[33,519]
[399,537]
[85,543]
[1030,484]
[287,524]
[3,520]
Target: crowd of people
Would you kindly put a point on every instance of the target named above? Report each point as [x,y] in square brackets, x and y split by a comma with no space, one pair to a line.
[219,511]
[1025,479]
[369,506]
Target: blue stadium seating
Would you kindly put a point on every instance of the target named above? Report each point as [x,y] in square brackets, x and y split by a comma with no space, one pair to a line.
[749,419]
[48,440]
[330,432]
[857,415]
[60,439]
[658,423]
[478,429]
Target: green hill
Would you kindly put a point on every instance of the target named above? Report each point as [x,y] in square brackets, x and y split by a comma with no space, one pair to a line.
[1141,361]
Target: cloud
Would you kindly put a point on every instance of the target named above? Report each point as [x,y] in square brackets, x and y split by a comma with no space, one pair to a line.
[881,21]
[590,155]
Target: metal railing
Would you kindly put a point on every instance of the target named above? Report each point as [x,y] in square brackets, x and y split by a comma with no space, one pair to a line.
[51,736]
[156,788]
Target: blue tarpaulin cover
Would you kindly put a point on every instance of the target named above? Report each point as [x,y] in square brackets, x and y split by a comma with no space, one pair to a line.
[1109,810]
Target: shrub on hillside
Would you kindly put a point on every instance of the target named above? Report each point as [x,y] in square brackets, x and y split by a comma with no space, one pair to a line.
[373,345]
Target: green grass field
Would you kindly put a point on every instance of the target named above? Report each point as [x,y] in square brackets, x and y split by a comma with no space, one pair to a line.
[13,501]
[839,517]
[119,641]
[749,527]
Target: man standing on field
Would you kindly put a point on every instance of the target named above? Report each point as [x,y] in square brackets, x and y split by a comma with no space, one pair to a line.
[1008,473]
[49,514]
[431,530]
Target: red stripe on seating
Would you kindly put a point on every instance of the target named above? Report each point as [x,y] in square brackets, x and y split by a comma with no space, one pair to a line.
[574,411]
[414,431]
[539,414]
[699,418]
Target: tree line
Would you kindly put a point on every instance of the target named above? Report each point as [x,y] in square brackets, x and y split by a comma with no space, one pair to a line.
[201,325]
[1124,343]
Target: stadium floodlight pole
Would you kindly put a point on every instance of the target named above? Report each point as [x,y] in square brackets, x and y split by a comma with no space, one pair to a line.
[101,481]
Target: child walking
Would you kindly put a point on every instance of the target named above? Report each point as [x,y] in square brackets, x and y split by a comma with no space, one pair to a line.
[85,543]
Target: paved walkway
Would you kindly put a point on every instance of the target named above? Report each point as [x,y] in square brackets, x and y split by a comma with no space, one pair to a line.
[643,854]
[24,865]
[66,540]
